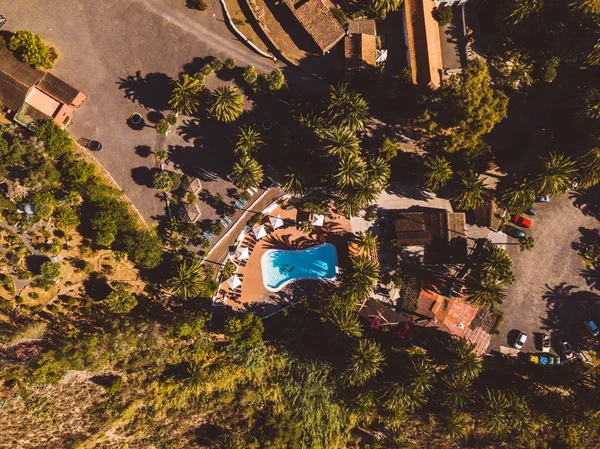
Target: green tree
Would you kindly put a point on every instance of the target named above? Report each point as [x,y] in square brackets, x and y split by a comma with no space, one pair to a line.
[465,363]
[246,173]
[275,80]
[121,300]
[384,7]
[367,359]
[294,184]
[249,141]
[30,48]
[188,279]
[56,140]
[49,273]
[367,242]
[66,219]
[340,142]
[346,321]
[556,176]
[250,75]
[524,9]
[144,248]
[228,103]
[471,191]
[229,63]
[347,108]
[160,155]
[526,243]
[518,195]
[439,173]
[443,15]
[389,149]
[456,392]
[421,374]
[588,168]
[495,262]
[162,127]
[378,173]
[351,172]
[162,180]
[361,278]
[244,330]
[185,97]
[587,7]
[486,291]
[454,425]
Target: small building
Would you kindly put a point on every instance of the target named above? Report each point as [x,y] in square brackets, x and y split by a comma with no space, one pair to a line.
[33,95]
[189,213]
[318,21]
[190,184]
[360,45]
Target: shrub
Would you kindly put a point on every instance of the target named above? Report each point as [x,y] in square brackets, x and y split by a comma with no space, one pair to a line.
[171,119]
[228,270]
[56,140]
[143,248]
[217,228]
[389,149]
[163,126]
[250,75]
[229,63]
[54,308]
[245,330]
[30,48]
[443,15]
[256,218]
[199,5]
[549,69]
[162,180]
[121,300]
[275,80]
[206,69]
[216,64]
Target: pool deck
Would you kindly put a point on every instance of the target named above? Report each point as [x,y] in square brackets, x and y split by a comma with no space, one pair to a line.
[289,236]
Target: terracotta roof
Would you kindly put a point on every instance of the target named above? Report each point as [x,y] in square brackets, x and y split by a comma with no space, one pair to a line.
[362,26]
[16,78]
[317,20]
[58,89]
[360,51]
[424,45]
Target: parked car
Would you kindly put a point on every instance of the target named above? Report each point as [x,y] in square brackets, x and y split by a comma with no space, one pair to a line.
[531,211]
[544,199]
[521,221]
[514,232]
[521,339]
[591,328]
[94,145]
[566,349]
[546,343]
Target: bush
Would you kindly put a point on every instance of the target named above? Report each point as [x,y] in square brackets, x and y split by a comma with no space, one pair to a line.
[275,80]
[30,48]
[217,228]
[144,248]
[389,149]
[230,63]
[443,15]
[163,126]
[256,218]
[196,4]
[246,330]
[121,300]
[171,119]
[162,180]
[216,64]
[228,270]
[56,140]
[250,75]
[549,69]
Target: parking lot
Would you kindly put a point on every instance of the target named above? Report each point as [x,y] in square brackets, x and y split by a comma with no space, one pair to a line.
[549,295]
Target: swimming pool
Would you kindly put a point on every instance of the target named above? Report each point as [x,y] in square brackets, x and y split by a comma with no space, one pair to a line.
[280,267]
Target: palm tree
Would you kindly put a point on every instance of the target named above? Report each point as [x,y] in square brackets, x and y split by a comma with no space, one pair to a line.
[587,7]
[557,174]
[466,364]
[185,97]
[588,168]
[421,374]
[160,155]
[439,173]
[367,242]
[456,392]
[384,7]
[472,192]
[378,171]
[495,416]
[187,282]
[454,425]
[232,441]
[340,142]
[362,277]
[487,291]
[366,193]
[524,9]
[367,359]
[526,243]
[247,173]
[350,205]
[495,262]
[346,321]
[294,184]
[351,172]
[591,104]
[249,141]
[399,399]
[519,195]
[228,103]
[65,218]
[347,108]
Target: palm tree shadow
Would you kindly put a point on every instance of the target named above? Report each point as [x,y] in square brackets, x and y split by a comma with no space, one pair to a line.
[151,91]
[592,276]
[567,306]
[588,201]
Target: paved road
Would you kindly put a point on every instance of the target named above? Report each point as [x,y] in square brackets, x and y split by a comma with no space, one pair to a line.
[549,294]
[101,43]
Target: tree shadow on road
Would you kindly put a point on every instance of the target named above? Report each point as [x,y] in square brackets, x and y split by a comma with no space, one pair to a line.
[151,91]
[142,176]
[588,201]
[566,306]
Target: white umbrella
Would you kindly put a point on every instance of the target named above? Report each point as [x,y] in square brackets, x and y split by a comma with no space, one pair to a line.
[242,253]
[276,222]
[234,282]
[259,232]
[317,220]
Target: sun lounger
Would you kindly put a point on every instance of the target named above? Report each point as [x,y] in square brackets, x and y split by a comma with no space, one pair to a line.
[237,205]
[224,223]
[241,200]
[227,220]
[206,236]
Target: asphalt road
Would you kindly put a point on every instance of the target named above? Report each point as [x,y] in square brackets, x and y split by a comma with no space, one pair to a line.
[549,295]
[102,42]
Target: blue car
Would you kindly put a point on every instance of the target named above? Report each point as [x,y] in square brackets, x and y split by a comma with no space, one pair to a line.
[592,328]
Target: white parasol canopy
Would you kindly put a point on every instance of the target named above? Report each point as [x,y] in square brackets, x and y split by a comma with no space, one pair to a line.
[242,253]
[234,282]
[259,232]
[276,222]
[317,220]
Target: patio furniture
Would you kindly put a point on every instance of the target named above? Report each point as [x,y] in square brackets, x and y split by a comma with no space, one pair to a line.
[237,205]
[206,236]
[242,201]
[227,220]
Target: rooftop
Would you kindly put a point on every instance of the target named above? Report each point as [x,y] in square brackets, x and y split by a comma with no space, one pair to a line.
[16,78]
[362,26]
[360,51]
[58,89]
[317,20]
[423,227]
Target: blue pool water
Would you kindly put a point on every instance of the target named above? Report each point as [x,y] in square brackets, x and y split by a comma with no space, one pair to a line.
[280,267]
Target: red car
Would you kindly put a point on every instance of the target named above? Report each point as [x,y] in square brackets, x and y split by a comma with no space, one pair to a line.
[521,221]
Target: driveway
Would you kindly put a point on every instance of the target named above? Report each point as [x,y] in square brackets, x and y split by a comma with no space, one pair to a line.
[114,48]
[549,294]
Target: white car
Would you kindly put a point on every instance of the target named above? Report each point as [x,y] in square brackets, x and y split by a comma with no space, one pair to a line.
[521,339]
[546,343]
